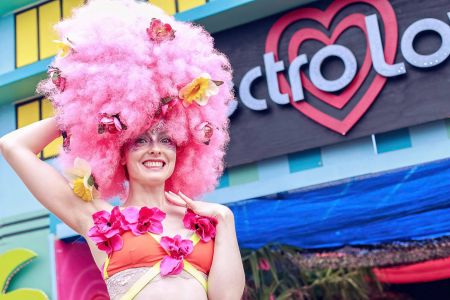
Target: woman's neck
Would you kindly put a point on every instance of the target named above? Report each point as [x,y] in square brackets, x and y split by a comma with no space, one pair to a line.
[144,195]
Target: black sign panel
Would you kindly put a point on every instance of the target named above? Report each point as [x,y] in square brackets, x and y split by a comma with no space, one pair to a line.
[415,95]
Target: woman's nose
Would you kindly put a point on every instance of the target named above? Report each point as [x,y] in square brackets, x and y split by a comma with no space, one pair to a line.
[155,148]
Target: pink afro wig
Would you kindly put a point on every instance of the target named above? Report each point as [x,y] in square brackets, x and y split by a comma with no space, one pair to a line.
[116,68]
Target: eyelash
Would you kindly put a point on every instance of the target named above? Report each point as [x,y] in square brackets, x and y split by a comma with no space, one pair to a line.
[164,140]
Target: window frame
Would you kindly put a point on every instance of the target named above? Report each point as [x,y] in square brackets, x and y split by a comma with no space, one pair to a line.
[36,7]
[18,104]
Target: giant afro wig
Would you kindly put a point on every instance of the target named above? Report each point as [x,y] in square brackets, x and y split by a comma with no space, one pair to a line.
[127,61]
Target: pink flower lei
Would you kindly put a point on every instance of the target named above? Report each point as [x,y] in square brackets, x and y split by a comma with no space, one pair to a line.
[108,228]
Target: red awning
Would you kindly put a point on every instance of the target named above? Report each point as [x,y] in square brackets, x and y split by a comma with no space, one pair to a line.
[431,270]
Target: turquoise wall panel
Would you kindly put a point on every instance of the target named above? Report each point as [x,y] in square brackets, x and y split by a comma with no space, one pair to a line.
[305,160]
[224,181]
[393,140]
[243,174]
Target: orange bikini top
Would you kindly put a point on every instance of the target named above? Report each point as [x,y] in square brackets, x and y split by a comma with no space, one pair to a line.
[132,239]
[145,251]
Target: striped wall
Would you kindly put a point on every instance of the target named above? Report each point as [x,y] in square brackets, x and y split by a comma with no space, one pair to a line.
[30,231]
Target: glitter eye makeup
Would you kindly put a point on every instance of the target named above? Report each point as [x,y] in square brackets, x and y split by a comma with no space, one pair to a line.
[145,139]
[168,142]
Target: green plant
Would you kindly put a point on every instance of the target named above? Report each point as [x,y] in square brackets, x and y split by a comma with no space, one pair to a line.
[271,274]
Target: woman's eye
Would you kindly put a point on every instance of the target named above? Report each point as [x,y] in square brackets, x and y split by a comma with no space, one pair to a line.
[166,141]
[140,141]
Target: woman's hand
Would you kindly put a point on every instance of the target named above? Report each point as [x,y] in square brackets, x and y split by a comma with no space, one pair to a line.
[226,278]
[201,208]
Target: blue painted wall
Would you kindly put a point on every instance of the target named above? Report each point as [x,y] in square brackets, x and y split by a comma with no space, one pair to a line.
[15,198]
[6,44]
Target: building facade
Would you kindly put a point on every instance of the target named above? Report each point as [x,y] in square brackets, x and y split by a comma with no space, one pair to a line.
[327,92]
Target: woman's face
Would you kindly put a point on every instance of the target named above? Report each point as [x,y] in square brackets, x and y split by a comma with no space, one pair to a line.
[150,158]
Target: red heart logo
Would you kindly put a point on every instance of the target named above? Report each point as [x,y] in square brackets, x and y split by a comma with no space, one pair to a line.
[340,100]
[325,18]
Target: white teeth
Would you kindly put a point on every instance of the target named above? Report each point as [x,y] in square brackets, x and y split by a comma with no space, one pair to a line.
[153,164]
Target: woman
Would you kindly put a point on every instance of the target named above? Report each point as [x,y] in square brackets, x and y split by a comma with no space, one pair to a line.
[141,101]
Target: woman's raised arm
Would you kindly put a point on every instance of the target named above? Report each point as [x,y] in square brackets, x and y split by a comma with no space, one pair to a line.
[20,148]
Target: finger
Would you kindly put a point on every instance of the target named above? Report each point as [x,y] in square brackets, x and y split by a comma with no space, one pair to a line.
[175,196]
[191,203]
[176,203]
[185,198]
[175,200]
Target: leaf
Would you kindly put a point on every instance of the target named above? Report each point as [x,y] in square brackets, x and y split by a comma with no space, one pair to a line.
[254,266]
[11,262]
[21,294]
[268,254]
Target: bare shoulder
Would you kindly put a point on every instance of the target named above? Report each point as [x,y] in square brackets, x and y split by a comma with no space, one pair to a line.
[224,214]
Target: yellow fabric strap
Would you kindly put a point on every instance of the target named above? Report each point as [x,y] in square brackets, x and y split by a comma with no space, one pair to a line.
[105,269]
[156,237]
[142,282]
[195,238]
[196,274]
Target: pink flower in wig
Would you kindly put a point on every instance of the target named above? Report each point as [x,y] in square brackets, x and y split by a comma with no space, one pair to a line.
[144,220]
[177,249]
[204,132]
[166,105]
[159,31]
[204,226]
[57,79]
[66,140]
[110,123]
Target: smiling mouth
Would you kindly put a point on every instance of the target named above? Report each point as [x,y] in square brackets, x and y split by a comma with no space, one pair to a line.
[153,165]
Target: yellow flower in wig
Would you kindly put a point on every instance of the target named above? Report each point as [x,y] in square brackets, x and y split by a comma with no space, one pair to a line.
[81,180]
[199,90]
[65,47]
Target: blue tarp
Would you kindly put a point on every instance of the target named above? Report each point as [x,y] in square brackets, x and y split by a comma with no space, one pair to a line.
[408,204]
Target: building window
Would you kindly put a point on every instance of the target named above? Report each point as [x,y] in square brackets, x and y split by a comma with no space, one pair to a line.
[392,140]
[34,30]
[32,111]
[34,26]
[305,160]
